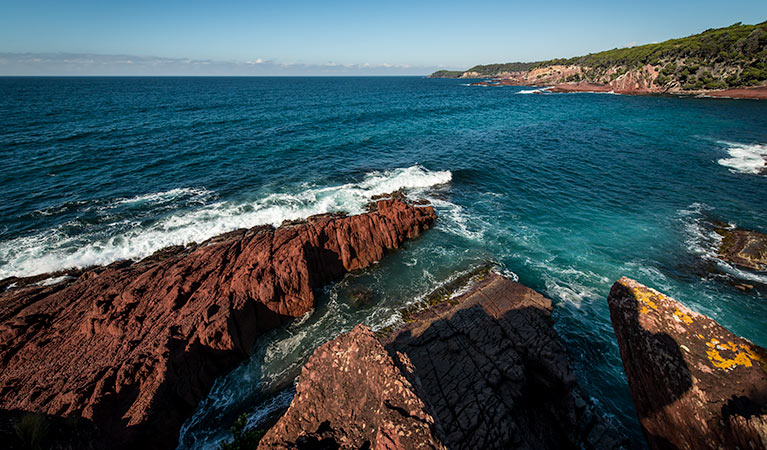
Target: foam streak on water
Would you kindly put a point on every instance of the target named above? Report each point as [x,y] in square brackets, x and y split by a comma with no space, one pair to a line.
[59,248]
[745,158]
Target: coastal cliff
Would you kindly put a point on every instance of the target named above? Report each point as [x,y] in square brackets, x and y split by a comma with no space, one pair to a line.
[483,370]
[695,384]
[133,346]
[724,62]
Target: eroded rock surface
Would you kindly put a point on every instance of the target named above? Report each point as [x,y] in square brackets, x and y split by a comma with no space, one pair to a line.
[695,384]
[352,396]
[744,248]
[485,370]
[494,373]
[134,346]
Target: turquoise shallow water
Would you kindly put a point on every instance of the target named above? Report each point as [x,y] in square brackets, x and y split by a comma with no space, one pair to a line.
[567,192]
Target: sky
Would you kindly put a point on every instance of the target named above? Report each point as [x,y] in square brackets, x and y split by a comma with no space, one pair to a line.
[236,37]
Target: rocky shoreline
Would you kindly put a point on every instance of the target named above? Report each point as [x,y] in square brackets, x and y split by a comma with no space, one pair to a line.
[132,347]
[118,356]
[756,93]
[482,370]
[726,62]
[744,248]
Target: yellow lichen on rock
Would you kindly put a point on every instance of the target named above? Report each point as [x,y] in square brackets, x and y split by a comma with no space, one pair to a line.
[683,317]
[745,355]
[756,355]
[646,297]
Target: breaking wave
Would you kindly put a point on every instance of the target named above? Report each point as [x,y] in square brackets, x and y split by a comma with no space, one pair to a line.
[745,158]
[61,247]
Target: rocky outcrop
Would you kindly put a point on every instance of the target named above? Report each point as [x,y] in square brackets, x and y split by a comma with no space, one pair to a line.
[581,87]
[695,384]
[758,92]
[745,248]
[352,396]
[134,346]
[483,370]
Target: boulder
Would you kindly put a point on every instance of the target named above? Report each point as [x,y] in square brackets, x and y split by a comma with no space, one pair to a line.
[745,248]
[695,384]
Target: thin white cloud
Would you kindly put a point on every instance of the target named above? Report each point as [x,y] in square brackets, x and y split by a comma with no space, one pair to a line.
[92,64]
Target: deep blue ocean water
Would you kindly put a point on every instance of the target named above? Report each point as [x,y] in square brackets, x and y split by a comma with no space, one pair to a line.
[567,192]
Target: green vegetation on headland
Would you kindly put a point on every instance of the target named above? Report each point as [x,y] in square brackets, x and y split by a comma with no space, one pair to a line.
[734,56]
[489,69]
[446,74]
[736,43]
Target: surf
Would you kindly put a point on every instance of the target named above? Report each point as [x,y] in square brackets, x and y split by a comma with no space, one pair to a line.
[60,248]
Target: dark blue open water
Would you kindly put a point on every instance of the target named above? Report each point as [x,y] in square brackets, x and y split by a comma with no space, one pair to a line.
[567,192]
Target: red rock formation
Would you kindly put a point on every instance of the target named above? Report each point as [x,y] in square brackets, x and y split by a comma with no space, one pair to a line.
[745,248]
[351,396]
[483,371]
[695,384]
[758,92]
[581,87]
[134,346]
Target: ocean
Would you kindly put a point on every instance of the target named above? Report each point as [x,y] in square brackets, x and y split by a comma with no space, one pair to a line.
[564,192]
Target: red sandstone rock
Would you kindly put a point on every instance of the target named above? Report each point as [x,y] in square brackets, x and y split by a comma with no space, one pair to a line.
[352,396]
[581,87]
[483,371]
[695,384]
[758,92]
[134,346]
[745,248]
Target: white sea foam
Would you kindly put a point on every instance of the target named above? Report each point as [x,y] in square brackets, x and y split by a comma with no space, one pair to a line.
[745,158]
[741,274]
[704,241]
[455,220]
[701,239]
[164,196]
[534,91]
[54,280]
[57,249]
[570,291]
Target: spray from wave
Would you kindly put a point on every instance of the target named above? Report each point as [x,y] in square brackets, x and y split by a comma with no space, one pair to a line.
[81,245]
[745,158]
[534,91]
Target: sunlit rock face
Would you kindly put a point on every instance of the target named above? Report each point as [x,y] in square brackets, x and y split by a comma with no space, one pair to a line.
[695,384]
[134,346]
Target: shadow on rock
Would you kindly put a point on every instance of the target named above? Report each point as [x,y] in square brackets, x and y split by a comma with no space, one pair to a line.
[695,384]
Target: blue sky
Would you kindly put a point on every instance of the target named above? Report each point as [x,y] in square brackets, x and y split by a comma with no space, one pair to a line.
[302,37]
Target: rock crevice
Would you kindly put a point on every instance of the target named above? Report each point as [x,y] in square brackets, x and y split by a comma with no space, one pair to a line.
[484,370]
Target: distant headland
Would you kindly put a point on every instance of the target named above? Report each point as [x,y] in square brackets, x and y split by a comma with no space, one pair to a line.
[722,62]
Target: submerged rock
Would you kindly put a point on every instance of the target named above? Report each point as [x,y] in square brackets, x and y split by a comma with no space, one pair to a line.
[483,370]
[133,347]
[745,248]
[695,384]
